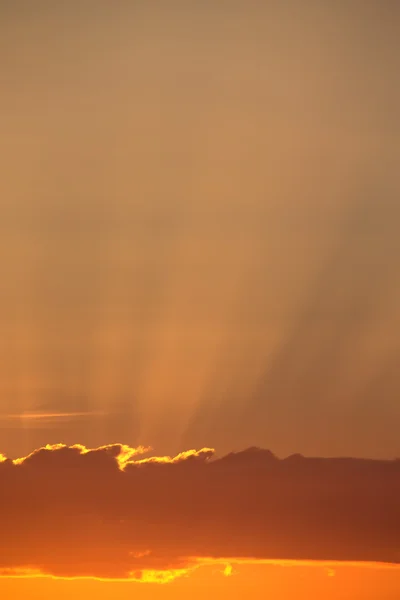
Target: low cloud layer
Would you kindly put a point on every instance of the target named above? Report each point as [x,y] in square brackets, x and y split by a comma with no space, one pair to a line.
[112,513]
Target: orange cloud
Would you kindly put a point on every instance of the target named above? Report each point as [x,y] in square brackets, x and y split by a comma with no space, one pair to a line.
[228,570]
[111,513]
[121,452]
[139,576]
[28,416]
[167,576]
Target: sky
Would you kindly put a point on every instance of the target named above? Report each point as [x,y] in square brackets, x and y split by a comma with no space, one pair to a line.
[254,582]
[74,517]
[199,241]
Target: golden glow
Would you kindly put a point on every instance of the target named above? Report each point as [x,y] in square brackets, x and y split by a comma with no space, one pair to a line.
[140,576]
[122,459]
[228,570]
[178,458]
[125,455]
[163,576]
[148,576]
[278,562]
[50,447]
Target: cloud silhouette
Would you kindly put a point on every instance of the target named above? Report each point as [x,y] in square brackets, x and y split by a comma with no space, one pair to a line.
[112,512]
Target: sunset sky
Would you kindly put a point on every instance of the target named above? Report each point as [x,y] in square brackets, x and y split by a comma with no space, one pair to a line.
[200,249]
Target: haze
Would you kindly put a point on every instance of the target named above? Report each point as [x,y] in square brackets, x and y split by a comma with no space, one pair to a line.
[199,225]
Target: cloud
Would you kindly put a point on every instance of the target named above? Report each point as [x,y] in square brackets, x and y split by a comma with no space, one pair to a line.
[113,513]
[47,416]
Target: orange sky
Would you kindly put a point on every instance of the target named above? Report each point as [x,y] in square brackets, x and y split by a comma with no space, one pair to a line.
[255,582]
[199,225]
[199,248]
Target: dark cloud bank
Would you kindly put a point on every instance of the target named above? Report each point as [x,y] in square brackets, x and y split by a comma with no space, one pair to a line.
[69,513]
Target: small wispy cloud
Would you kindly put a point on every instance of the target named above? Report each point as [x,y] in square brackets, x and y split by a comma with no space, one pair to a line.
[36,416]
[45,419]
